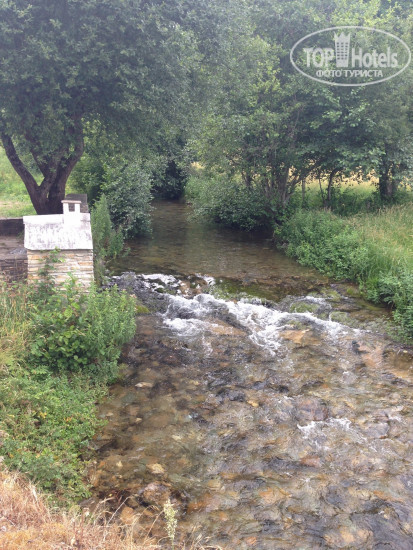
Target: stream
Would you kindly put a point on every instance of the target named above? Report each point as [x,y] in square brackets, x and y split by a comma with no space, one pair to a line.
[268,404]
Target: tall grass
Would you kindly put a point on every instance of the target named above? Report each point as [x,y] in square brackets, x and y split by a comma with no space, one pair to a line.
[28,521]
[14,324]
[375,250]
[390,236]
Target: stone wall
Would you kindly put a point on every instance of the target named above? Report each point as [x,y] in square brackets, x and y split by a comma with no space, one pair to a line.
[76,262]
[13,269]
[11,226]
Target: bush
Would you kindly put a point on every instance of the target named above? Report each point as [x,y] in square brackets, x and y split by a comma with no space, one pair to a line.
[170,183]
[128,192]
[337,248]
[126,184]
[323,241]
[107,242]
[47,423]
[229,203]
[75,331]
[57,349]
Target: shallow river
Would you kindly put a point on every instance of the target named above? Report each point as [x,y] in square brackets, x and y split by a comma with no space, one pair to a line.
[266,403]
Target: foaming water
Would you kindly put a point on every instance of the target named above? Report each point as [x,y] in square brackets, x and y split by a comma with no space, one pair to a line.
[269,424]
[191,317]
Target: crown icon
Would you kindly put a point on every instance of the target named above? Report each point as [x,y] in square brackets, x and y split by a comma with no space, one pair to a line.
[342,43]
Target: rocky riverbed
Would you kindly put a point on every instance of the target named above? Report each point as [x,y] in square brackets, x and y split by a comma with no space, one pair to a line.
[271,419]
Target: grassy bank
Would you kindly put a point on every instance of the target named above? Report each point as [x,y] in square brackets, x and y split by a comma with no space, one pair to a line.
[58,351]
[375,250]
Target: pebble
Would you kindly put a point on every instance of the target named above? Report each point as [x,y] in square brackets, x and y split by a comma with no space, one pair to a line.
[157,469]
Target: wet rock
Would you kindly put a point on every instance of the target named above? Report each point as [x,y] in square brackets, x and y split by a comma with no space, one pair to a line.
[311,461]
[311,385]
[195,415]
[303,307]
[127,516]
[231,394]
[156,469]
[295,336]
[214,502]
[339,317]
[211,402]
[281,388]
[162,387]
[158,420]
[155,494]
[310,409]
[348,537]
[272,495]
[378,431]
[143,385]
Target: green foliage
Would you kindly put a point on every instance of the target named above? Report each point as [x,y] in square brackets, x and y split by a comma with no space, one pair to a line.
[47,423]
[107,242]
[269,127]
[57,348]
[81,332]
[88,176]
[128,191]
[325,242]
[127,64]
[171,183]
[225,201]
[338,248]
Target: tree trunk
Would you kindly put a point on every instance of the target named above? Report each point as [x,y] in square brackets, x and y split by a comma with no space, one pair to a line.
[387,187]
[46,197]
[330,187]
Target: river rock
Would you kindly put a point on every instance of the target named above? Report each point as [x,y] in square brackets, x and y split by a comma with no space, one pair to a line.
[156,469]
[155,494]
[348,537]
[310,409]
[127,516]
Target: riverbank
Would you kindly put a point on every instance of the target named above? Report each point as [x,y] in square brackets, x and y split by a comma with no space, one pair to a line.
[59,349]
[374,250]
[28,521]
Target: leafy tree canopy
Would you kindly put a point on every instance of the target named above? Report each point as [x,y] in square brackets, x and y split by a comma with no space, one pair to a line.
[66,64]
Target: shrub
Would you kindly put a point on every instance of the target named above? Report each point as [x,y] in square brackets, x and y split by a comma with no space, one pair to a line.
[75,331]
[225,201]
[325,242]
[347,249]
[107,242]
[128,192]
[47,423]
[57,349]
[170,182]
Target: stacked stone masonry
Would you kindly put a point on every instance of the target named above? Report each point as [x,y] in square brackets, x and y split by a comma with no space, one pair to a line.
[13,269]
[78,263]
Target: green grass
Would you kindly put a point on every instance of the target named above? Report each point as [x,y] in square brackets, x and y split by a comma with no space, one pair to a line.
[375,250]
[14,199]
[51,378]
[390,236]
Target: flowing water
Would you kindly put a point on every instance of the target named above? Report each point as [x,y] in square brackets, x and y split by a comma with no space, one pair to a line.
[267,404]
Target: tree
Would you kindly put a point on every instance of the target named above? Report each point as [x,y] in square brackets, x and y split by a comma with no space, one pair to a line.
[65,65]
[278,127]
